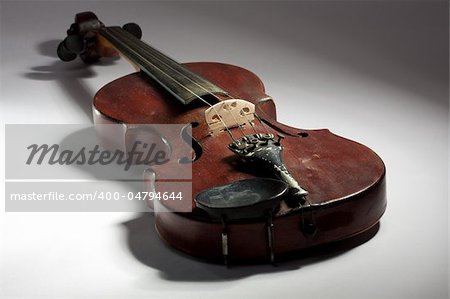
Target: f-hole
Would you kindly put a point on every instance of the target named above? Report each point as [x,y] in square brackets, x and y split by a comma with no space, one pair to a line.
[196,147]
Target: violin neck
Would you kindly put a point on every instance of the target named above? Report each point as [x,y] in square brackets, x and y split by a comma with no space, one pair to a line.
[175,78]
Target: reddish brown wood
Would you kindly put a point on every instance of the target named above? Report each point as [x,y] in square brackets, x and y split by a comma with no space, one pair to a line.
[345,179]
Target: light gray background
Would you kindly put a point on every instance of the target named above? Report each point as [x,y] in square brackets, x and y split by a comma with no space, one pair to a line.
[375,72]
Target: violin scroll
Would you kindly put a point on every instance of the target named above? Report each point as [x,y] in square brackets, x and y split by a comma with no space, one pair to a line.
[82,39]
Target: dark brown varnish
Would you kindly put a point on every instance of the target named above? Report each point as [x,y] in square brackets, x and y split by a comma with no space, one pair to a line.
[345,180]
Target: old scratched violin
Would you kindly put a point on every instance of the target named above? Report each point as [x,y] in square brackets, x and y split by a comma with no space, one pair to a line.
[260,189]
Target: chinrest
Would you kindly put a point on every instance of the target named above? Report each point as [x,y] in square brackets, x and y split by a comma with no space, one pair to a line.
[244,199]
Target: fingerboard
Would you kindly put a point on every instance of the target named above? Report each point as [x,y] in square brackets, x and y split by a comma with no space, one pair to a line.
[185,85]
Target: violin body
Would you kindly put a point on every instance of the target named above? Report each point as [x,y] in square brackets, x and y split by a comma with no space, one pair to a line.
[255,198]
[345,180]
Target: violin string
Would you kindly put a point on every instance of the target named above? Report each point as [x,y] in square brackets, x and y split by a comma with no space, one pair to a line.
[154,53]
[120,32]
[106,31]
[251,124]
[149,50]
[200,98]
[262,123]
[234,118]
[125,35]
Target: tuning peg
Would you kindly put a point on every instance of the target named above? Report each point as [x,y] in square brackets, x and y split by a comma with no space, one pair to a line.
[134,29]
[74,43]
[64,54]
[70,47]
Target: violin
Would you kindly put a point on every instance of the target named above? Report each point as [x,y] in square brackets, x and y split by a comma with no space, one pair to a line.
[260,189]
